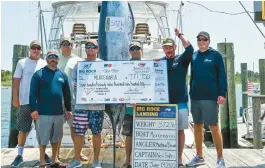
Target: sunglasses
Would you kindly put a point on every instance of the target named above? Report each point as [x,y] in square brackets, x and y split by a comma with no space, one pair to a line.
[202,39]
[135,48]
[91,46]
[34,48]
[52,57]
[65,44]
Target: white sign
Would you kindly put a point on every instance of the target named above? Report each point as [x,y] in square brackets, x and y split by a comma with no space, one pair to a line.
[155,136]
[115,24]
[121,82]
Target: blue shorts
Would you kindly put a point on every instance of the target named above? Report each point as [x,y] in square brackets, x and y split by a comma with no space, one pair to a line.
[84,119]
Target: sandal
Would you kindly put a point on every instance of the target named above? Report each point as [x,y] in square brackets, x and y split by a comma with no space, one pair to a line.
[58,165]
[181,165]
[83,158]
[59,157]
[126,165]
[43,166]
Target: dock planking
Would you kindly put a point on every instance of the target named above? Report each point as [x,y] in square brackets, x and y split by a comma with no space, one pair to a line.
[235,158]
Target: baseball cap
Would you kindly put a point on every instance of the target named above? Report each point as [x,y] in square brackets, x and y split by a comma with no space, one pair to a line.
[66,39]
[34,42]
[135,43]
[92,41]
[205,34]
[168,42]
[52,52]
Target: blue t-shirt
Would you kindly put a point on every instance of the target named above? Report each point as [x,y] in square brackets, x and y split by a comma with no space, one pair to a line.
[48,88]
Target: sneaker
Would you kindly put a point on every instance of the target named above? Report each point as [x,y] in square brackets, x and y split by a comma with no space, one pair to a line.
[220,163]
[74,164]
[196,161]
[47,159]
[17,162]
[96,164]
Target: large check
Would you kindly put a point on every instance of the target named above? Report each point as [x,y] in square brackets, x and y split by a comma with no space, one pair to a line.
[122,82]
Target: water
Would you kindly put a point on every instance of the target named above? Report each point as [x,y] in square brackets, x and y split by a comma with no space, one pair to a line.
[5,115]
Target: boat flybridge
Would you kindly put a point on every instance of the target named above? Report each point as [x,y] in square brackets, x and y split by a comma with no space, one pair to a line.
[80,20]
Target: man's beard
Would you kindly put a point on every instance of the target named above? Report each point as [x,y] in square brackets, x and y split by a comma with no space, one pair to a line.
[169,54]
[53,64]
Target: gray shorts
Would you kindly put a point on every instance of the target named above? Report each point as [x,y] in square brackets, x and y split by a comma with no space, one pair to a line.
[49,128]
[24,120]
[127,125]
[183,116]
[204,112]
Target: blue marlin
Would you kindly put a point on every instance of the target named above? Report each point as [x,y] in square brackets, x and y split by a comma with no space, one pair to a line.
[116,26]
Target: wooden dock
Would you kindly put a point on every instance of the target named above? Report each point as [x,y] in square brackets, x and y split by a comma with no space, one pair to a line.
[234,158]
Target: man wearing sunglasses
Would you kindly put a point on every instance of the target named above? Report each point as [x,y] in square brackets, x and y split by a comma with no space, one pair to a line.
[136,52]
[208,87]
[177,70]
[24,71]
[67,63]
[87,116]
[49,87]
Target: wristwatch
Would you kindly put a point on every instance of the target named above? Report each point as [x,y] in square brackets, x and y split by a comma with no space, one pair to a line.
[180,35]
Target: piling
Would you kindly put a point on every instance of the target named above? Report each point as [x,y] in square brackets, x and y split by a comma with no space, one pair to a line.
[229,115]
[244,85]
[19,52]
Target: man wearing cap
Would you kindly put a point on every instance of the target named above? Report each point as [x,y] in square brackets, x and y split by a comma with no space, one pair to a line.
[87,116]
[66,64]
[24,71]
[208,87]
[177,70]
[49,86]
[136,51]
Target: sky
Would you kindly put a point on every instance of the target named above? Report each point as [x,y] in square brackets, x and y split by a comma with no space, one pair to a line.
[19,25]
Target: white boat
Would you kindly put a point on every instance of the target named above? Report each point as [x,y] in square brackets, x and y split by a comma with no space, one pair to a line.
[80,20]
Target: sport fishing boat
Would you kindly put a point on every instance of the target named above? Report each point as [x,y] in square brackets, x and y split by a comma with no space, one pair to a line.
[80,21]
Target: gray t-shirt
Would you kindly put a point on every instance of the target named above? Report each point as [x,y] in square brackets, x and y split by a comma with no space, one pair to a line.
[85,106]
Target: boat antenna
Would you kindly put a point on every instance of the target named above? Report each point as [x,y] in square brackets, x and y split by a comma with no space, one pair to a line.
[41,26]
[179,23]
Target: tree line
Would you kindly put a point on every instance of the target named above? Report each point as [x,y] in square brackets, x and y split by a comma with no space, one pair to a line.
[6,77]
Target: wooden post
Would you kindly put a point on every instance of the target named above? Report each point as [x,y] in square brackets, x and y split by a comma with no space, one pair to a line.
[230,125]
[244,84]
[223,109]
[19,52]
[262,76]
[257,100]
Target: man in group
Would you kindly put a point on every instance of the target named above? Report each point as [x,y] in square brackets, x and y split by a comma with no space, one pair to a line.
[49,87]
[208,89]
[21,86]
[177,70]
[87,116]
[136,51]
[67,62]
